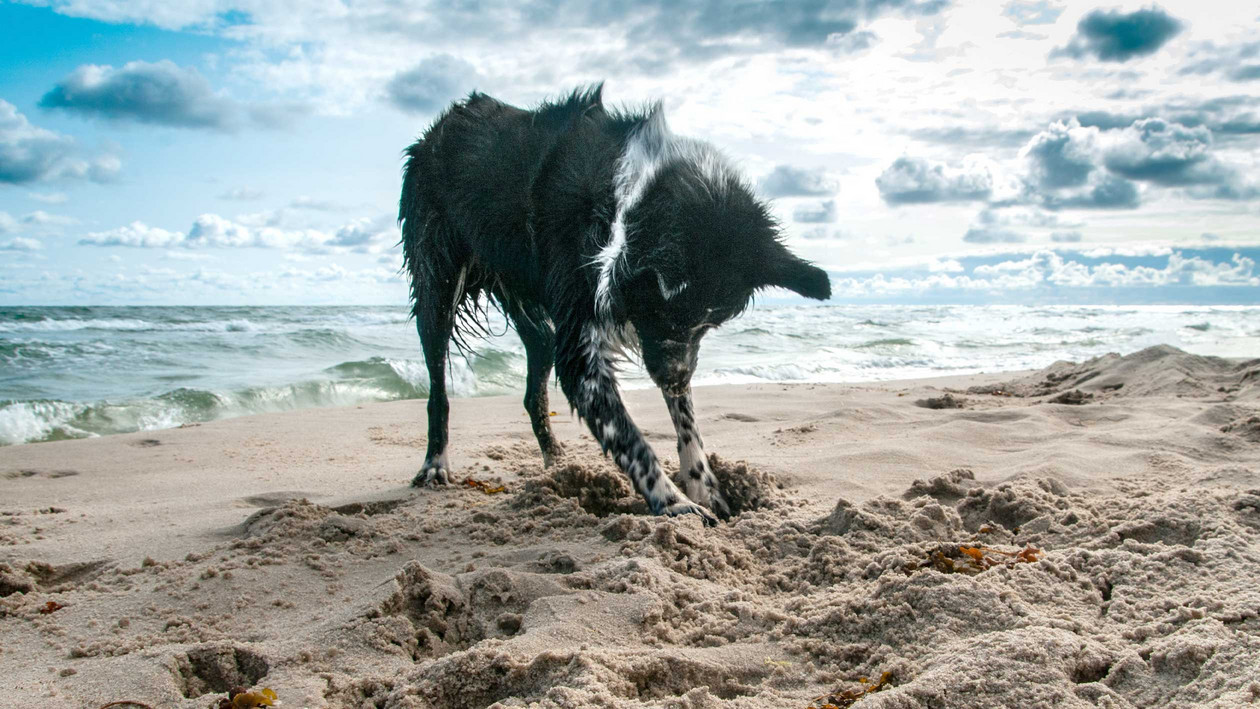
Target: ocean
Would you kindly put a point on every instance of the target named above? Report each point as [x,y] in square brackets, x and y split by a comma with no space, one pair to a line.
[69,372]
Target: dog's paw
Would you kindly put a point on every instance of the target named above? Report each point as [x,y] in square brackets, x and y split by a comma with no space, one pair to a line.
[687,507]
[553,456]
[434,472]
[704,491]
[717,503]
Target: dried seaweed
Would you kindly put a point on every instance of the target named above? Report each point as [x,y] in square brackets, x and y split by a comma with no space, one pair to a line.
[975,560]
[482,485]
[847,698]
[242,698]
[50,607]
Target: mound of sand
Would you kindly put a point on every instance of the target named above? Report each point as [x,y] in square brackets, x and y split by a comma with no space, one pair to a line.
[1161,370]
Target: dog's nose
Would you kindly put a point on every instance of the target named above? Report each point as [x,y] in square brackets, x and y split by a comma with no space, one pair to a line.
[678,359]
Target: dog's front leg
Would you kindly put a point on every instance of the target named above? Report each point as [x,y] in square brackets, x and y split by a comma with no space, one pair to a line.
[586,375]
[694,474]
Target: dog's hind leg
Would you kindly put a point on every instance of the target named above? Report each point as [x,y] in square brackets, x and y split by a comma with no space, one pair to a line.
[539,338]
[694,474]
[586,375]
[435,307]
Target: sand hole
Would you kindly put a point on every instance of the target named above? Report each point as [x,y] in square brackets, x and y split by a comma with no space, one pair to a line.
[436,608]
[218,668]
[368,508]
[746,488]
[947,401]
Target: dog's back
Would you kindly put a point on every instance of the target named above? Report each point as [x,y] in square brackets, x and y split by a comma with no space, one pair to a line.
[468,181]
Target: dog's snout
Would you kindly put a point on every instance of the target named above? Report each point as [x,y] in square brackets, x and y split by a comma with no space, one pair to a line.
[671,364]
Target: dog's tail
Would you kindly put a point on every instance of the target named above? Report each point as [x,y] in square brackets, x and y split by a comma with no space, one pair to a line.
[412,211]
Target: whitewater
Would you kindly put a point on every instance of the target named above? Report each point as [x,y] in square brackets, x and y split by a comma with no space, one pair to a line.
[70,372]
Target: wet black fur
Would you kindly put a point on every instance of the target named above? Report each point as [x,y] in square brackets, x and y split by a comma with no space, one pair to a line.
[522,202]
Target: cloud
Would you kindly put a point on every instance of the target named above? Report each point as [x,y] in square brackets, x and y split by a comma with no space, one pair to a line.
[433,83]
[790,181]
[1032,12]
[1228,116]
[1063,155]
[1247,72]
[1155,150]
[1065,237]
[1235,62]
[242,194]
[1108,192]
[363,233]
[317,205]
[1064,171]
[160,93]
[7,223]
[980,138]
[368,235]
[1113,36]
[993,235]
[48,197]
[919,181]
[21,244]
[816,212]
[31,154]
[1050,270]
[136,234]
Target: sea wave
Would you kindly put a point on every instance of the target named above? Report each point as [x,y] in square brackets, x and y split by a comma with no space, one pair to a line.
[70,372]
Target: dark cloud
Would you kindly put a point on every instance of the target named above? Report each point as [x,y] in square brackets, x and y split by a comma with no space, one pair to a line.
[1225,116]
[1065,237]
[1113,36]
[816,212]
[654,36]
[1247,72]
[160,93]
[1105,120]
[1233,61]
[1169,154]
[992,235]
[1061,156]
[1032,12]
[431,84]
[917,181]
[790,181]
[31,154]
[977,138]
[1109,193]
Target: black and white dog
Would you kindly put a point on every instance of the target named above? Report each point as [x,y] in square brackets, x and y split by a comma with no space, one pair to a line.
[594,230]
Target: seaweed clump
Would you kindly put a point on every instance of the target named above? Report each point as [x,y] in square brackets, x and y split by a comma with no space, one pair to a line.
[974,560]
[843,699]
[242,698]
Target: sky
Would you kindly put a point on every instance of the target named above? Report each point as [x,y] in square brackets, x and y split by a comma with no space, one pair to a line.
[248,152]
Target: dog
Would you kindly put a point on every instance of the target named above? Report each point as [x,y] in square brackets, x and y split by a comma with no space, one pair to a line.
[596,231]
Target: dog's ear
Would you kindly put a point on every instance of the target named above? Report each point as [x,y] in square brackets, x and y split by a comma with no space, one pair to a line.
[667,264]
[799,276]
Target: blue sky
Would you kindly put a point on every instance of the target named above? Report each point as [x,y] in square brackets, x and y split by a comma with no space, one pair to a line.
[225,152]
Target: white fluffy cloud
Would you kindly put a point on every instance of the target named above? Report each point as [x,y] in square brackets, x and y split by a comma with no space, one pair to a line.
[367,235]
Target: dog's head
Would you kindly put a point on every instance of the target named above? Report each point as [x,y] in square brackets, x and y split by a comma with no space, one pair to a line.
[698,245]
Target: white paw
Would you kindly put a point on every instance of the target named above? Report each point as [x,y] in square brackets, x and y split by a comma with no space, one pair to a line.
[434,472]
[687,507]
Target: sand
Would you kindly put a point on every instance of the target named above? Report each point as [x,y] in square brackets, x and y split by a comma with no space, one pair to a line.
[877,537]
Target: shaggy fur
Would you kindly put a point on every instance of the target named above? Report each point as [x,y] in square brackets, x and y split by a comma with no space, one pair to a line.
[594,231]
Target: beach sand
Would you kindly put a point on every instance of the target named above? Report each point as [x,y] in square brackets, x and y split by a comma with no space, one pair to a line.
[879,538]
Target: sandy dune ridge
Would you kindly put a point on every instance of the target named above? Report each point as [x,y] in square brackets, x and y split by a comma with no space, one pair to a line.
[286,551]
